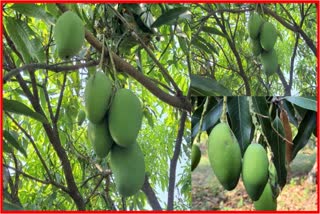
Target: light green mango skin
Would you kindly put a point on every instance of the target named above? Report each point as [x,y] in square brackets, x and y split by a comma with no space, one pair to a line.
[269,62]
[100,138]
[225,155]
[268,36]
[195,156]
[125,117]
[266,201]
[69,34]
[98,92]
[128,168]
[255,170]
[254,25]
[256,47]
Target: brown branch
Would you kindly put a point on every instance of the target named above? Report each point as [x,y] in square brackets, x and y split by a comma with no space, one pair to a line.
[94,190]
[60,98]
[56,68]
[151,196]
[123,66]
[174,161]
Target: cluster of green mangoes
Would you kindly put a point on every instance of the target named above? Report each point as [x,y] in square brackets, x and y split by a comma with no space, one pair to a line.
[114,122]
[263,36]
[69,34]
[226,161]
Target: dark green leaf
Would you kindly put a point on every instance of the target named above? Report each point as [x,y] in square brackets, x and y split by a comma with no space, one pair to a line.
[278,147]
[241,124]
[10,139]
[212,30]
[17,107]
[10,206]
[260,106]
[303,102]
[33,10]
[209,120]
[170,16]
[290,111]
[207,87]
[305,130]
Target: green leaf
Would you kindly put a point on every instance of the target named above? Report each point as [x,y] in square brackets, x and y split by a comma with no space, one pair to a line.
[18,37]
[305,131]
[213,30]
[17,107]
[303,102]
[207,87]
[241,124]
[10,139]
[209,119]
[171,16]
[278,147]
[33,10]
[10,206]
[260,106]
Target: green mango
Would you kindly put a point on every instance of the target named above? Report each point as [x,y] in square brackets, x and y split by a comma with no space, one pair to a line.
[125,117]
[195,156]
[266,200]
[128,168]
[255,170]
[81,117]
[268,36]
[100,138]
[225,155]
[69,34]
[254,25]
[256,47]
[269,62]
[97,96]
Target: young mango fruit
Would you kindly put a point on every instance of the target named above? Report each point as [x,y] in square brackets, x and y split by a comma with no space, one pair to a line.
[195,156]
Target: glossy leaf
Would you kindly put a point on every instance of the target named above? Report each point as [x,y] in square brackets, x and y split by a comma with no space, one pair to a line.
[11,140]
[303,102]
[170,16]
[240,117]
[202,86]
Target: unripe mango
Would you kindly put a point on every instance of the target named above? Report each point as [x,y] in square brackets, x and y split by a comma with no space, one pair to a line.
[68,34]
[195,156]
[269,62]
[225,155]
[128,168]
[255,170]
[268,36]
[254,25]
[100,138]
[81,117]
[125,117]
[97,96]
[266,200]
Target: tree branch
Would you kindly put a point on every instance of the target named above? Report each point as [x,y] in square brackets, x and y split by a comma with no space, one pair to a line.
[56,68]
[56,117]
[174,161]
[151,196]
[123,66]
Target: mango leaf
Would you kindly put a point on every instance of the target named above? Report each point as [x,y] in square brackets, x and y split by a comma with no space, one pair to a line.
[212,30]
[260,106]
[305,130]
[240,117]
[33,10]
[303,102]
[202,86]
[170,16]
[17,107]
[290,111]
[10,206]
[278,147]
[209,119]
[10,139]
[18,37]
